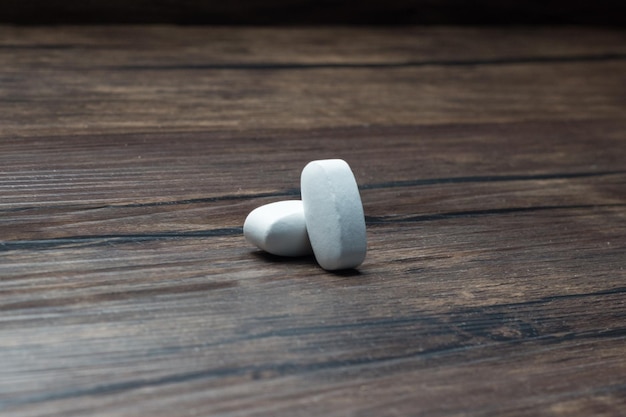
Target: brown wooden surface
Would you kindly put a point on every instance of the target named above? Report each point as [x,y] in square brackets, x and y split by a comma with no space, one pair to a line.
[493,175]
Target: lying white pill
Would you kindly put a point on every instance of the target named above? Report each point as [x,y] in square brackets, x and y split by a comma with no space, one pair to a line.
[334,214]
[279,228]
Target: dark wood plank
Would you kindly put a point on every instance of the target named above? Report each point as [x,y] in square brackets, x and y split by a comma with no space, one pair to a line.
[166,79]
[491,166]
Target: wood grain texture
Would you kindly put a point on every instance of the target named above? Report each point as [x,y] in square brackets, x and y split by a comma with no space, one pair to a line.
[491,167]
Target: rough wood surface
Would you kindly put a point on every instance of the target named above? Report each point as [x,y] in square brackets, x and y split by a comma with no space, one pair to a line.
[493,176]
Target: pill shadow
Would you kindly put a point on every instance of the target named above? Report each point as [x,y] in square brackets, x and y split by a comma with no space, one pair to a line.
[352,272]
[297,260]
[303,260]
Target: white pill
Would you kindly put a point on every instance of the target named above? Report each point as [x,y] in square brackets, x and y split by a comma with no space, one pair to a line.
[278,228]
[334,214]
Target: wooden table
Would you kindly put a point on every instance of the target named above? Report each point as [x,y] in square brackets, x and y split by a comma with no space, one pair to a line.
[492,166]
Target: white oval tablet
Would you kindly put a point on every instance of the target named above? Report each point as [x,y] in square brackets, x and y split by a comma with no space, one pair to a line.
[334,214]
[279,228]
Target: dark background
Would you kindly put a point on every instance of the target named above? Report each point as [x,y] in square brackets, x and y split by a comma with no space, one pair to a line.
[314,12]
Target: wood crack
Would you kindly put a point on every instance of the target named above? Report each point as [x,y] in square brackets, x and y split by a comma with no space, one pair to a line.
[533,60]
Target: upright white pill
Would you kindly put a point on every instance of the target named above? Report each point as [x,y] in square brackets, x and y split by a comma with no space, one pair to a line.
[334,214]
[279,228]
